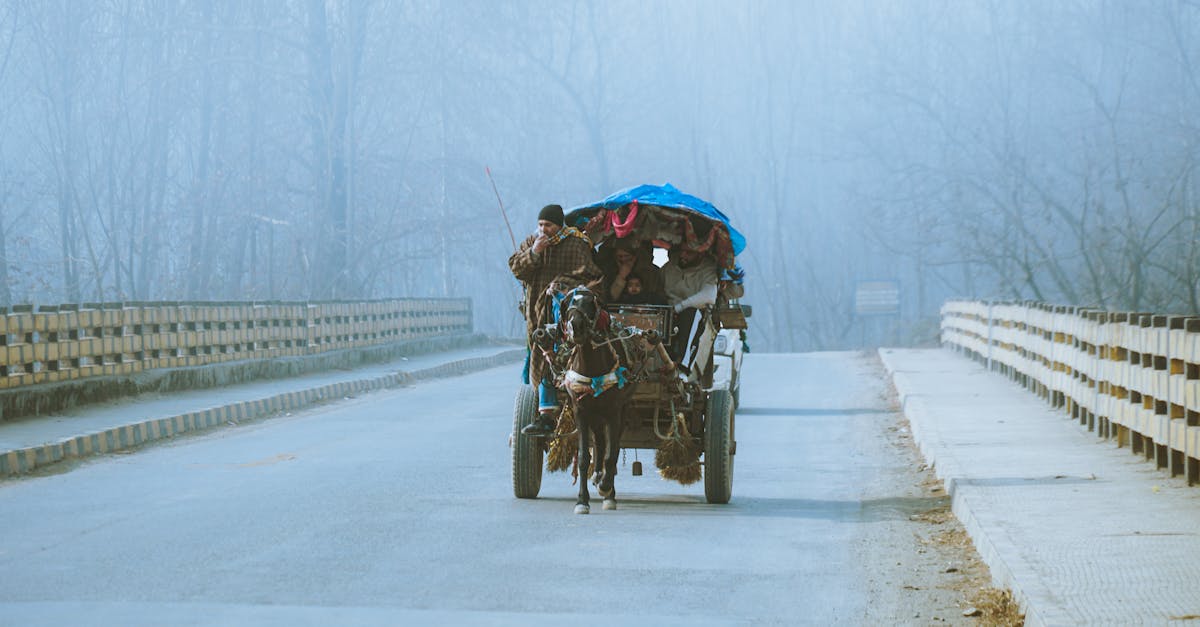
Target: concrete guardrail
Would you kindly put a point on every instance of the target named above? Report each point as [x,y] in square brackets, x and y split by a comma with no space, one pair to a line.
[1130,377]
[60,343]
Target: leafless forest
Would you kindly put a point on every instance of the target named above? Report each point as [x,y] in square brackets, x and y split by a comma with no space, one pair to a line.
[336,149]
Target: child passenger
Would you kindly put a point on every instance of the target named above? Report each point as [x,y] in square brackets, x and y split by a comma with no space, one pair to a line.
[636,294]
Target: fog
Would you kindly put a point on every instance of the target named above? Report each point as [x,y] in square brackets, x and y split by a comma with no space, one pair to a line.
[326,149]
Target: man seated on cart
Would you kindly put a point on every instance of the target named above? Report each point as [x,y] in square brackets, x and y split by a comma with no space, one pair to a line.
[690,280]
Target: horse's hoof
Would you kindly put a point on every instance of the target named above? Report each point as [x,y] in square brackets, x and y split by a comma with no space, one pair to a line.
[582,509]
[610,503]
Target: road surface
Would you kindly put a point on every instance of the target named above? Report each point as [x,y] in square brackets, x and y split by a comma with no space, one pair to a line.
[397,507]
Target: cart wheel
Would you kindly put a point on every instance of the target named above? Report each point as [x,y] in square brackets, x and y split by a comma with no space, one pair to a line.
[736,393]
[718,447]
[526,451]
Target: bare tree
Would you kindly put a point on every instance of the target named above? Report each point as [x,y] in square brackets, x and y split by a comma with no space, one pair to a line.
[9,21]
[334,52]
[58,33]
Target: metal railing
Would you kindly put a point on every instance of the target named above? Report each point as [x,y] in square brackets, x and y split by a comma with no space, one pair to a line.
[1130,377]
[68,342]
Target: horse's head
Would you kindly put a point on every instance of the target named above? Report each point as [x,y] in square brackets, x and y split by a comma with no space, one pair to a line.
[579,315]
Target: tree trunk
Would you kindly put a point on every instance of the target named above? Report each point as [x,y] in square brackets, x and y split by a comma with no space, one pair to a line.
[69,37]
[328,121]
[5,292]
[199,263]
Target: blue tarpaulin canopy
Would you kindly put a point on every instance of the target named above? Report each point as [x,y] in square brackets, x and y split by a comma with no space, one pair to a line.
[665,195]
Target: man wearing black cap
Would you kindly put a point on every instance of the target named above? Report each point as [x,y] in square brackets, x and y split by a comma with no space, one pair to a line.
[554,250]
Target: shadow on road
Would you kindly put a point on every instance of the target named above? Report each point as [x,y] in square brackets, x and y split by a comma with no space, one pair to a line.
[685,505]
[807,412]
[870,510]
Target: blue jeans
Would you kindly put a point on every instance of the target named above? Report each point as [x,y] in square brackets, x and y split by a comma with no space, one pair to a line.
[547,393]
[547,396]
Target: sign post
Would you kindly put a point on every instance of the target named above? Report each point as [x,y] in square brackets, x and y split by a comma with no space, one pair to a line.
[876,298]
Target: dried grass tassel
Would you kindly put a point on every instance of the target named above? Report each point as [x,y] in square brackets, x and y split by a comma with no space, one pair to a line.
[565,445]
[678,457]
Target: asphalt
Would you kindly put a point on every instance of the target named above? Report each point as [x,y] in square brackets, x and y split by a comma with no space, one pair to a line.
[1082,532]
[40,441]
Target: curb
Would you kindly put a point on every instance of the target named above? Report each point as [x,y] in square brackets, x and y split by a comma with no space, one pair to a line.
[15,462]
[44,398]
[949,470]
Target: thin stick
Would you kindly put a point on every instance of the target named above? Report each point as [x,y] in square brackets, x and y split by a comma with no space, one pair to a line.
[502,212]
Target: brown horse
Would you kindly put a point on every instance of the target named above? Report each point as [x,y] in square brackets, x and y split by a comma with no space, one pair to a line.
[597,390]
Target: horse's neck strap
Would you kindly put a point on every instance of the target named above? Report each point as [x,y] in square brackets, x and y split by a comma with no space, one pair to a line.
[580,384]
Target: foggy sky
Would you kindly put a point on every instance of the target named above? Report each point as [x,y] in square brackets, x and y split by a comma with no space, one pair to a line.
[336,149]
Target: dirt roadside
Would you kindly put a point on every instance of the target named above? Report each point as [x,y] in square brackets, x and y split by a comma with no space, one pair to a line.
[926,570]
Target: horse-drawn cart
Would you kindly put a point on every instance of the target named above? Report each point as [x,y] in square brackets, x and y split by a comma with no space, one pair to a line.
[684,417]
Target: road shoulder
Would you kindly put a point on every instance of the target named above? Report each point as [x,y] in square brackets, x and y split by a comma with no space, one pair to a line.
[35,443]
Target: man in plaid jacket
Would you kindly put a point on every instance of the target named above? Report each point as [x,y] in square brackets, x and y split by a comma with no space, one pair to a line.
[554,250]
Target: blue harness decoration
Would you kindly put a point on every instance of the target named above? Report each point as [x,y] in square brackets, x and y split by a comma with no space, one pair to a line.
[581,384]
[599,383]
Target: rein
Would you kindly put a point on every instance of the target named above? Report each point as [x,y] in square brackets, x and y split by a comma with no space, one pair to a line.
[609,342]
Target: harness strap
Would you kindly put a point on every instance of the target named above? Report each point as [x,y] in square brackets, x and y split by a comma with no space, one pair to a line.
[580,384]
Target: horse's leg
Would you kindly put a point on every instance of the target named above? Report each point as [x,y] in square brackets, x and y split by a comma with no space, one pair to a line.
[598,457]
[612,449]
[583,423]
[603,476]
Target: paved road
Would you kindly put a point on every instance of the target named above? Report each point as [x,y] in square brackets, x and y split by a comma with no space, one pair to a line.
[397,506]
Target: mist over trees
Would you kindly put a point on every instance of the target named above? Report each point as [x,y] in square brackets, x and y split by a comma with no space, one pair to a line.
[336,149]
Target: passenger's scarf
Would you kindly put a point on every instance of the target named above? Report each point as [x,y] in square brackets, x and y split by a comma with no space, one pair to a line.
[568,231]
